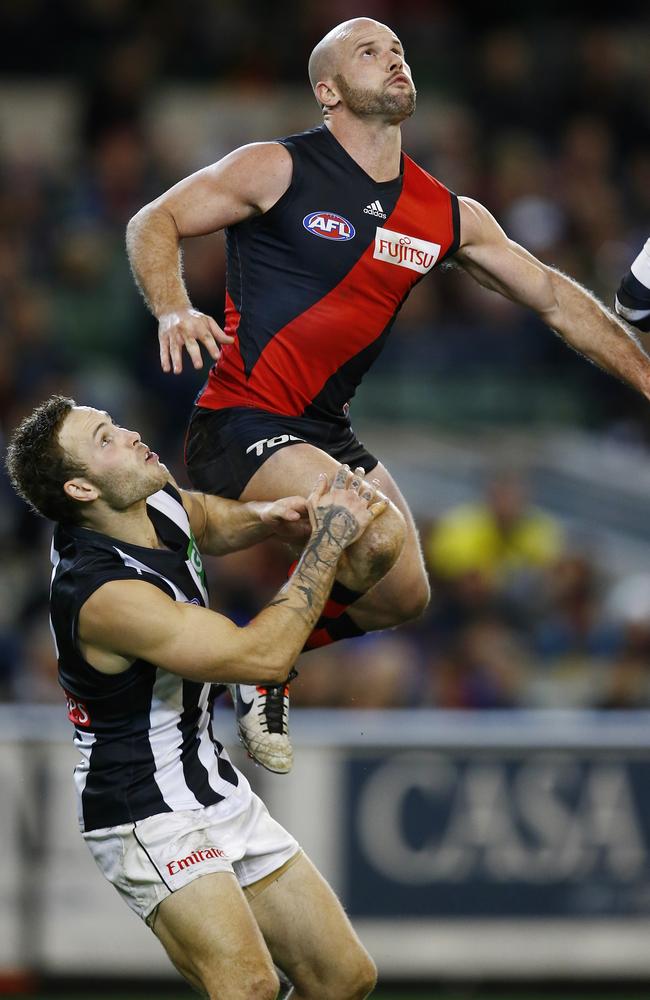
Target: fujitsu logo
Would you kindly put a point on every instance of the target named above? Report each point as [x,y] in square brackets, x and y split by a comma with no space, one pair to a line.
[195,858]
[405,251]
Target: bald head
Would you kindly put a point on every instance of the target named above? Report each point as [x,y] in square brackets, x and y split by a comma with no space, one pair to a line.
[323,62]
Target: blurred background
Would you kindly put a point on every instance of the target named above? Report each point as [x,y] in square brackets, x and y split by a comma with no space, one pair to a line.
[477,780]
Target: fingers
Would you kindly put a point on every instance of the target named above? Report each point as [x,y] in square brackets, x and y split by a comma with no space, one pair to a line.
[206,332]
[194,351]
[341,477]
[294,508]
[189,329]
[165,359]
[219,335]
[367,490]
[377,508]
[176,354]
[320,488]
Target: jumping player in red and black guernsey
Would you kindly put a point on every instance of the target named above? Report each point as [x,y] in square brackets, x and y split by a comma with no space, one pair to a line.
[169,820]
[327,232]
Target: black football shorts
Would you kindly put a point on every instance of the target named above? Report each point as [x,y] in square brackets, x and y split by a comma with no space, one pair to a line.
[224,448]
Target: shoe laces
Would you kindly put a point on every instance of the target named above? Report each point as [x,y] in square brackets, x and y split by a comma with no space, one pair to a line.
[273,709]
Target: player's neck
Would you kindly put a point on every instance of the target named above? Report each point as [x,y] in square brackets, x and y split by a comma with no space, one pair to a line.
[374,145]
[131,525]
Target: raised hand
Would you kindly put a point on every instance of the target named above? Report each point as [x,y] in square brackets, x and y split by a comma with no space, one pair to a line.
[188,328]
[289,518]
[340,513]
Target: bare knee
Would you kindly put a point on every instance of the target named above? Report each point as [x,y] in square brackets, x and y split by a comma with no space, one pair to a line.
[263,985]
[355,979]
[406,599]
[402,597]
[413,599]
[365,978]
[376,552]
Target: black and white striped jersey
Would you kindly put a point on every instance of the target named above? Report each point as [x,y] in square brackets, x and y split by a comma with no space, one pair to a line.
[145,735]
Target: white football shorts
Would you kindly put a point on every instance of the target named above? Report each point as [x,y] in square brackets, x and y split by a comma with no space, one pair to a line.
[148,860]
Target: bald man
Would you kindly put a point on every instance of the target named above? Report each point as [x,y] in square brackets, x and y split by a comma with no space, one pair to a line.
[326,233]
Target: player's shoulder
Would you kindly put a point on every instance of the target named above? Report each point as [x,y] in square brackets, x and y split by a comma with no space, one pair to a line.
[413,167]
[282,149]
[260,155]
[79,551]
[311,136]
[81,559]
[176,504]
[260,171]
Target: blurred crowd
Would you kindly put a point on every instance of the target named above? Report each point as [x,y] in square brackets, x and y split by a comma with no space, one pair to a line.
[518,618]
[545,121]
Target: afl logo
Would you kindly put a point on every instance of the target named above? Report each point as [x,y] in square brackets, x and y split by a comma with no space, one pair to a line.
[329,226]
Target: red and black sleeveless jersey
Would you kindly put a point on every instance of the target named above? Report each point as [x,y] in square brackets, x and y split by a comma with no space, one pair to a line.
[315,283]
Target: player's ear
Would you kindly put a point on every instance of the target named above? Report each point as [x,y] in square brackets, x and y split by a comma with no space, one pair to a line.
[326,94]
[80,489]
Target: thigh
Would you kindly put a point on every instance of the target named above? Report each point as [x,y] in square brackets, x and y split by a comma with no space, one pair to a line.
[403,592]
[291,470]
[411,561]
[309,935]
[226,450]
[295,471]
[211,936]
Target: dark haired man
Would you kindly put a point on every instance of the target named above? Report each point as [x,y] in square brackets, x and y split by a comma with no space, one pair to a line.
[169,820]
[326,233]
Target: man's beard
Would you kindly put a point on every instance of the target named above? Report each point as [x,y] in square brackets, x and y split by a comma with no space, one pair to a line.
[393,106]
[122,493]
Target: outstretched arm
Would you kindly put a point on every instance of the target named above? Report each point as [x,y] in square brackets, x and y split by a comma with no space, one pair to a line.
[221,525]
[245,183]
[574,313]
[125,620]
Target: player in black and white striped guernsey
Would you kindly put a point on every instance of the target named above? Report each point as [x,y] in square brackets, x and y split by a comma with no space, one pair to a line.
[168,818]
[160,757]
[633,296]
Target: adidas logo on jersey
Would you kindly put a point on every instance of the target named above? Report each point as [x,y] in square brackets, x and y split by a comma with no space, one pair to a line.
[375,208]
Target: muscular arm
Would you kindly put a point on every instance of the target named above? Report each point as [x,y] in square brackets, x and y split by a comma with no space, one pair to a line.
[245,183]
[574,313]
[221,525]
[125,620]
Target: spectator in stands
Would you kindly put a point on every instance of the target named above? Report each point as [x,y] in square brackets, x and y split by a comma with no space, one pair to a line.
[497,537]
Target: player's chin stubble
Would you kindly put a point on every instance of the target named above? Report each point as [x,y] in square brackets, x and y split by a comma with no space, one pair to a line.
[122,492]
[395,107]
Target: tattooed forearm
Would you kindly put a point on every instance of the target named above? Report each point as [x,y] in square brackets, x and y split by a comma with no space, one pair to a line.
[307,590]
[336,524]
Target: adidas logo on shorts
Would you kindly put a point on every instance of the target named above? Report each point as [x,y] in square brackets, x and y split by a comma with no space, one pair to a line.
[375,208]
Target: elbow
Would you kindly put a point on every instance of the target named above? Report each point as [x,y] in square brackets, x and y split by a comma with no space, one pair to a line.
[550,309]
[153,210]
[263,662]
[276,669]
[136,221]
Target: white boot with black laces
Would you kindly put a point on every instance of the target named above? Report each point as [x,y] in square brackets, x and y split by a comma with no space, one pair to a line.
[262,713]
